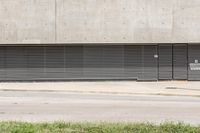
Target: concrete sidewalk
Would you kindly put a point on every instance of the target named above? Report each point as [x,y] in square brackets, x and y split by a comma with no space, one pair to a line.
[171,88]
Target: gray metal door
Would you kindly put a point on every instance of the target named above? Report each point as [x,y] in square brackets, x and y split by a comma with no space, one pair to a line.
[165,62]
[180,61]
[133,62]
[15,63]
[73,62]
[2,63]
[194,62]
[54,63]
[149,63]
[35,62]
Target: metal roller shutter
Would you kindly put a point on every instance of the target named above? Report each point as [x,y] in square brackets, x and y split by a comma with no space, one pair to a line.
[133,61]
[73,62]
[180,61]
[78,62]
[149,63]
[113,62]
[16,63]
[165,61]
[93,62]
[2,64]
[35,63]
[103,62]
[54,62]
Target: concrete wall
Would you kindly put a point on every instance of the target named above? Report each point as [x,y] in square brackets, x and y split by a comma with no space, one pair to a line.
[99,21]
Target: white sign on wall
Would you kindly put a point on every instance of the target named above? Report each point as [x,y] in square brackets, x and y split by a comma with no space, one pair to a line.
[195,66]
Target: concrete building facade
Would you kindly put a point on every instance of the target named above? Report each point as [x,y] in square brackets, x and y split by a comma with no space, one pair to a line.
[99,39]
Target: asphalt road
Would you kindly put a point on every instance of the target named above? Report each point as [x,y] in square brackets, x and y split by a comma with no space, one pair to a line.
[65,106]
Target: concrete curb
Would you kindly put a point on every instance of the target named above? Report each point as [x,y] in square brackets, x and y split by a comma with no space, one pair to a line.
[101,92]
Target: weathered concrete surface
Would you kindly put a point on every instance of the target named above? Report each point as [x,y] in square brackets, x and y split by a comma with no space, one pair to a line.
[115,21]
[27,21]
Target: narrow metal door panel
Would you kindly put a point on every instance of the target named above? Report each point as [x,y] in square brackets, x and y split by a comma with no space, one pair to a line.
[193,62]
[36,63]
[54,62]
[180,61]
[2,63]
[133,62]
[165,62]
[16,63]
[113,62]
[93,62]
[149,63]
[73,62]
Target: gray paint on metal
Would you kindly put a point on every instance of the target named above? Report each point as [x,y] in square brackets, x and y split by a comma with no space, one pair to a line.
[74,62]
[96,62]
[193,54]
[36,62]
[16,66]
[78,62]
[180,61]
[165,62]
[133,61]
[149,63]
[2,63]
[103,62]
[54,63]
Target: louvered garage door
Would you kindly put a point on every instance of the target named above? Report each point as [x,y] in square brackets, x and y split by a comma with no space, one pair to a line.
[78,62]
[35,63]
[141,62]
[13,63]
[103,62]
[149,63]
[133,66]
[73,62]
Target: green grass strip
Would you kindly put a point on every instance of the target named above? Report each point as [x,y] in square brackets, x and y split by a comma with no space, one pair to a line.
[62,127]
